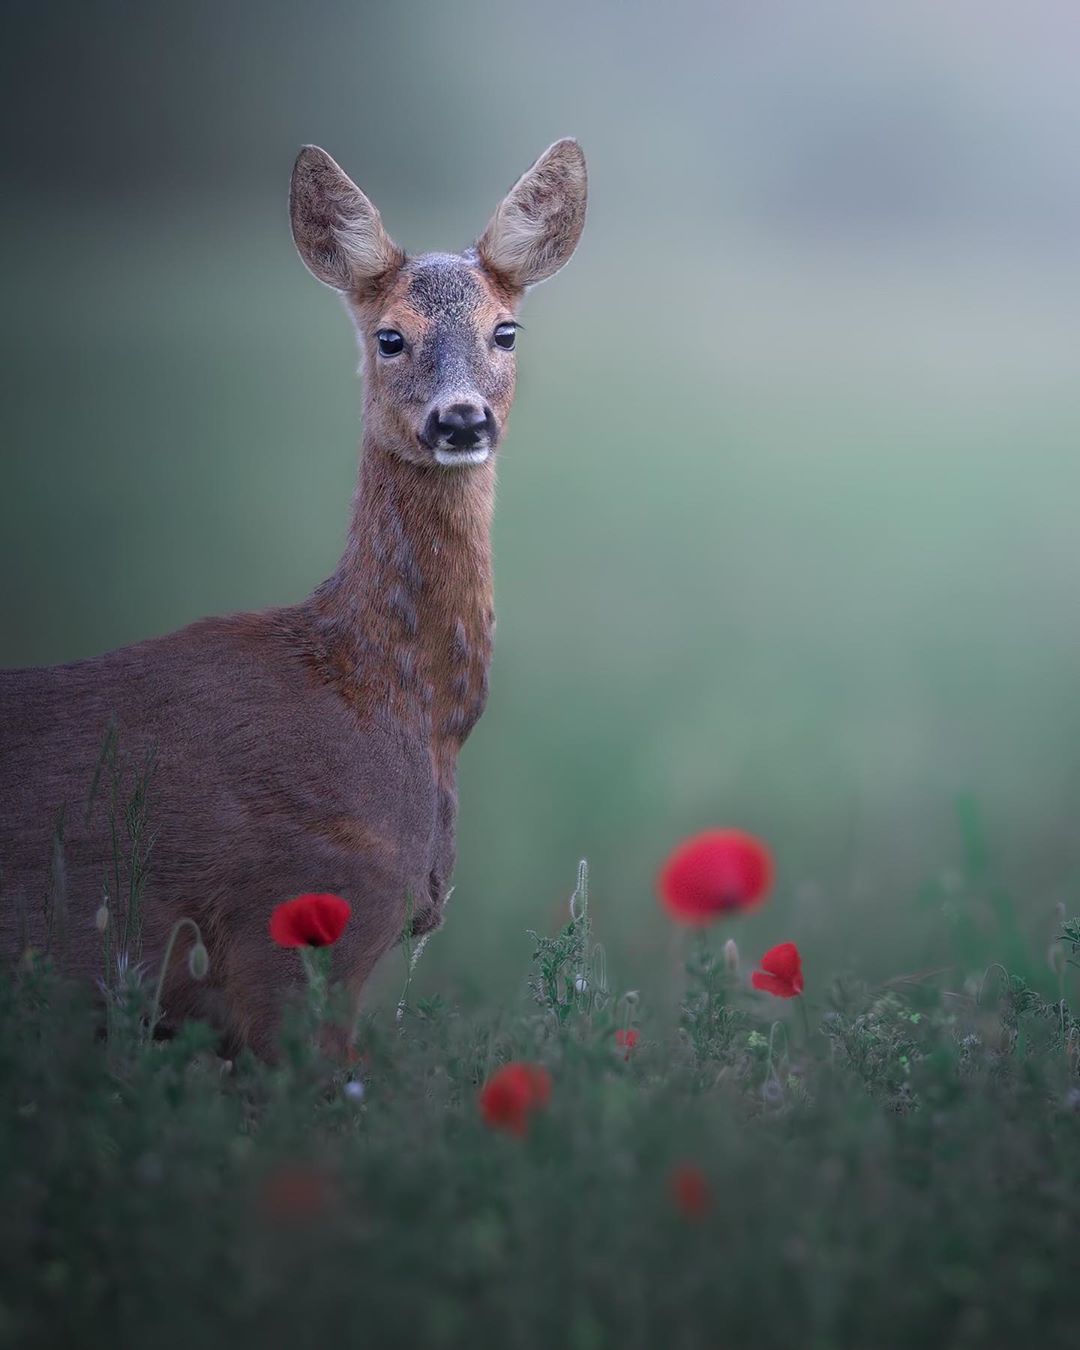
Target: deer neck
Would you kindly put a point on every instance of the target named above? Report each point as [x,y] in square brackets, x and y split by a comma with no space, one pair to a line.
[408,615]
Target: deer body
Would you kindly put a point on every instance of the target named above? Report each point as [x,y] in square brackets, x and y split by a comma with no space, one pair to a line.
[313,747]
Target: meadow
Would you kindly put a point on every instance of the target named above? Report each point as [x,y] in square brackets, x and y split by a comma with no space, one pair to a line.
[892,1165]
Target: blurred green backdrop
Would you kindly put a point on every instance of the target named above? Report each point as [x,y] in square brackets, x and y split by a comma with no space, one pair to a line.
[787,533]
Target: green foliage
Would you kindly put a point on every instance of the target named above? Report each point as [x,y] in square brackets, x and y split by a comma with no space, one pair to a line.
[569,970]
[127,808]
[1070,932]
[708,1017]
[903,1169]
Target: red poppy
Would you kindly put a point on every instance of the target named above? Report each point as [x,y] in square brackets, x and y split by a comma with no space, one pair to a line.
[512,1093]
[626,1038]
[295,1193]
[713,873]
[781,971]
[690,1192]
[309,921]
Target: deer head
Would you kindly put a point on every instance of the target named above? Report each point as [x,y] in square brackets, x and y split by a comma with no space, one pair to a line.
[437,332]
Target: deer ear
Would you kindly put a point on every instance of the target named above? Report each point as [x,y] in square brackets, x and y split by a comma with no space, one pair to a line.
[337,231]
[538,223]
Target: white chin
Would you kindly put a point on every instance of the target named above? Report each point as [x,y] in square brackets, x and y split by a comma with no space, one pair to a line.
[450,459]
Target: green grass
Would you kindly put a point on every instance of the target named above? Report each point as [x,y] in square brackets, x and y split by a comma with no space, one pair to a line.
[902,1169]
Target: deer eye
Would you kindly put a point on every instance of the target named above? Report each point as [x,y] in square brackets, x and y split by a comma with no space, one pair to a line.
[506,336]
[391,343]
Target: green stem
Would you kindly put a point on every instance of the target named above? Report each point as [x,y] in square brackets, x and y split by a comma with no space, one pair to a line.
[805,1018]
[155,1014]
[317,961]
[776,1026]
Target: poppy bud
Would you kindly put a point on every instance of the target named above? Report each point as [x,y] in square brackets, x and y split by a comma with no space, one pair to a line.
[1055,958]
[198,961]
[731,957]
[101,918]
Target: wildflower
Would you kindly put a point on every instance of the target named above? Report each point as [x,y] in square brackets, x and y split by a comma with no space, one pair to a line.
[512,1093]
[354,1090]
[781,972]
[309,921]
[626,1038]
[690,1191]
[713,873]
[581,985]
[295,1193]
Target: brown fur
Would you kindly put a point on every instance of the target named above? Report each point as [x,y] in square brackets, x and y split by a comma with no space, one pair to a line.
[310,748]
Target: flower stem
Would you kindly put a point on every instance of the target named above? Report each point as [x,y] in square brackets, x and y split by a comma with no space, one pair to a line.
[317,969]
[155,1013]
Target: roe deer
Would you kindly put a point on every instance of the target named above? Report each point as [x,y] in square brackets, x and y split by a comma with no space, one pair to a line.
[313,747]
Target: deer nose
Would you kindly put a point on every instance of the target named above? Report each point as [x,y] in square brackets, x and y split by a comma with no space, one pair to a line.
[460,425]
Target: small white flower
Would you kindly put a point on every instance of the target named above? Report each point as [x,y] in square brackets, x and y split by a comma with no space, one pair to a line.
[354,1090]
[581,985]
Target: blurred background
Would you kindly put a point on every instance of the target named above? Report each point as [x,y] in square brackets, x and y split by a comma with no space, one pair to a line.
[787,533]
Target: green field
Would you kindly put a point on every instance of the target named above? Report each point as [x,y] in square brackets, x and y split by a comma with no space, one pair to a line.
[898,1167]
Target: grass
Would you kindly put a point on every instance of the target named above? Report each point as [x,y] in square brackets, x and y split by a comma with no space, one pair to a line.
[903,1168]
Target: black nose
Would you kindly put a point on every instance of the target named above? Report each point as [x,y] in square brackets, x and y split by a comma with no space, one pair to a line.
[460,425]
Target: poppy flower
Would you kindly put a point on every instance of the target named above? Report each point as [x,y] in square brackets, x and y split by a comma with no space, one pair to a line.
[626,1038]
[295,1193]
[512,1093]
[309,921]
[781,971]
[690,1191]
[713,873]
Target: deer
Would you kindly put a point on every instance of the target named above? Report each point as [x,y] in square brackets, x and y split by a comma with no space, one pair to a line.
[311,747]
